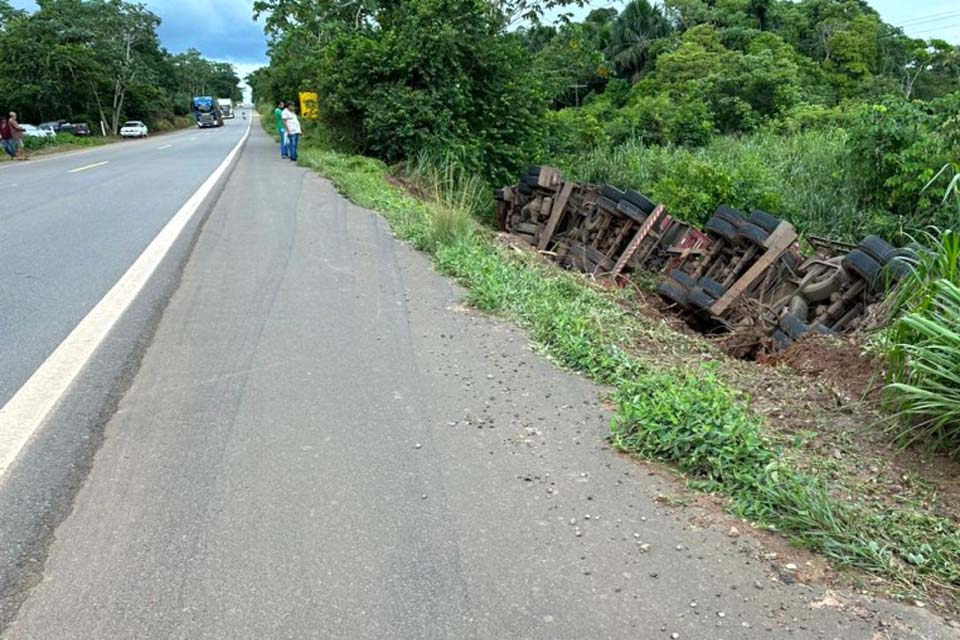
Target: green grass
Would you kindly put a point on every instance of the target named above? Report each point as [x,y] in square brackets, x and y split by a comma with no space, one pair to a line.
[923,343]
[802,177]
[688,417]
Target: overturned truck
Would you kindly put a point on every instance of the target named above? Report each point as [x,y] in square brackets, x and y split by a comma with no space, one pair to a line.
[743,275]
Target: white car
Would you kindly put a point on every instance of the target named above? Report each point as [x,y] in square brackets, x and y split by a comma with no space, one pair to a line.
[133,129]
[37,132]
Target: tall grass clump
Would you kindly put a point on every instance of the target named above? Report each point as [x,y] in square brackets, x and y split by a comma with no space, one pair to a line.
[446,181]
[803,177]
[926,370]
[924,341]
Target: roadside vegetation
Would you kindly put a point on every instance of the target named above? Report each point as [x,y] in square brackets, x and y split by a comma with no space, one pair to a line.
[924,342]
[687,415]
[815,110]
[100,61]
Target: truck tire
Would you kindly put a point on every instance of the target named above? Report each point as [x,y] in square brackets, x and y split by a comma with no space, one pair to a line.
[713,288]
[897,268]
[672,292]
[750,233]
[700,299]
[640,200]
[729,214]
[525,189]
[798,307]
[632,211]
[764,220]
[877,248]
[534,170]
[720,228]
[683,279]
[862,265]
[612,193]
[780,340]
[794,326]
[607,204]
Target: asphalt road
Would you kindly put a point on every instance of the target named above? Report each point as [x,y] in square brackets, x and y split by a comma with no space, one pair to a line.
[72,224]
[322,442]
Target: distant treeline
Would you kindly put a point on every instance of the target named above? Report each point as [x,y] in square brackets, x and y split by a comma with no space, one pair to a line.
[99,61]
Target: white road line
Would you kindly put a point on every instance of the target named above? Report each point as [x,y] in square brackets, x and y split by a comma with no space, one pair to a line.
[166,146]
[24,413]
[89,166]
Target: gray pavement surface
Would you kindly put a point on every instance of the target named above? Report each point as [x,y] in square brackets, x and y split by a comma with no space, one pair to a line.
[66,238]
[322,442]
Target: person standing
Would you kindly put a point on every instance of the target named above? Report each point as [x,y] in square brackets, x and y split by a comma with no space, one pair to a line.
[281,129]
[292,126]
[6,139]
[16,135]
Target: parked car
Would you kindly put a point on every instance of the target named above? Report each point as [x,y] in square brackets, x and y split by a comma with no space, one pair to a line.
[56,125]
[31,131]
[63,126]
[133,129]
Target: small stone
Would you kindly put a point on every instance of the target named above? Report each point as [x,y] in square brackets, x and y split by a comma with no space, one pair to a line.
[758,585]
[586,516]
[721,614]
[423,497]
[573,521]
[417,446]
[734,532]
[489,376]
[644,547]
[578,533]
[693,605]
[919,603]
[674,636]
[790,566]
[680,547]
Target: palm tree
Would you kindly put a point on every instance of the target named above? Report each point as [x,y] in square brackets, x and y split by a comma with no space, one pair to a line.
[632,34]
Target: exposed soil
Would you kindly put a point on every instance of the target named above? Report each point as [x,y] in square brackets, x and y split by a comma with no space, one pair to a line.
[837,360]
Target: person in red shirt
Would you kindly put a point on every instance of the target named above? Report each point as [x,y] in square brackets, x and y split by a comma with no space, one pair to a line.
[6,139]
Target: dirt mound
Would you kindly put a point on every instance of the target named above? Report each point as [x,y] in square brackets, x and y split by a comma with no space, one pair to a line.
[840,361]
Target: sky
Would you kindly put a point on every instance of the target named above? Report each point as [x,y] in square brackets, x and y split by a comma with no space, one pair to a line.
[225,29]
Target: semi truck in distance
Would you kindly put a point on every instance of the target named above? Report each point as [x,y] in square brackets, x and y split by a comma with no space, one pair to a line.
[226,107]
[207,112]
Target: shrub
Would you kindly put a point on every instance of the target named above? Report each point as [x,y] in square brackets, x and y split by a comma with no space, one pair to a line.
[434,75]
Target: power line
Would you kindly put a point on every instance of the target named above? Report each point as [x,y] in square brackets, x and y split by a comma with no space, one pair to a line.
[933,17]
[937,28]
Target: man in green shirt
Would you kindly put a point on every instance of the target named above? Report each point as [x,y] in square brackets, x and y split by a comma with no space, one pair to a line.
[282,130]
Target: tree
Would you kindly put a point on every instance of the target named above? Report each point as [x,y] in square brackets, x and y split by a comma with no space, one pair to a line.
[96,60]
[632,36]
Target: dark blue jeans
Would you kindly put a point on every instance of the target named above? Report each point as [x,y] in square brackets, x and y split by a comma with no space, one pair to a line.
[283,143]
[293,142]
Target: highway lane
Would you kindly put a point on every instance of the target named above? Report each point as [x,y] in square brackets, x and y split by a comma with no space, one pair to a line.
[72,224]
